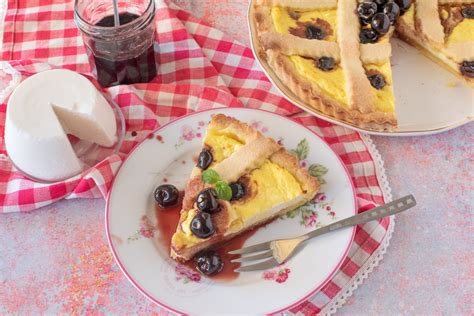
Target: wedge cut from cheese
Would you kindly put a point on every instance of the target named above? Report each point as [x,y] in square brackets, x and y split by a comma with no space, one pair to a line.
[46,107]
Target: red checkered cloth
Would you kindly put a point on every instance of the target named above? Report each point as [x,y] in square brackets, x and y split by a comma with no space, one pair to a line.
[200,68]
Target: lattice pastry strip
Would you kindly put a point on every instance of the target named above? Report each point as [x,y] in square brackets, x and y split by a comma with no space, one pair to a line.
[358,88]
[292,45]
[428,20]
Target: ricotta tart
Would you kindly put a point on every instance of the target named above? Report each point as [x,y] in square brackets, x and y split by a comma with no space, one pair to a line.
[43,110]
[242,180]
[335,55]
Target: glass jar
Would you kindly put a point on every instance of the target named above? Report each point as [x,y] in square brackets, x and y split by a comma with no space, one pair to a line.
[118,54]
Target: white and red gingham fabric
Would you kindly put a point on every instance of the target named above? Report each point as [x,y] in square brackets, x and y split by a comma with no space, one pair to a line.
[200,68]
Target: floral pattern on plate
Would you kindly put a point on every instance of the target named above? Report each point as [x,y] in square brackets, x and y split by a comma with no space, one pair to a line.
[316,170]
[189,133]
[146,229]
[278,274]
[259,126]
[309,213]
[186,274]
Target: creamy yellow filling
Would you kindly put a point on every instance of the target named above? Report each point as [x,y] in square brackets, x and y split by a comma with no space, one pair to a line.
[444,14]
[409,16]
[222,144]
[274,185]
[384,99]
[463,32]
[283,21]
[330,82]
[184,236]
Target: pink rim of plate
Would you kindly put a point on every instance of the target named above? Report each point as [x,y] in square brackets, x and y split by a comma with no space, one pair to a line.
[154,300]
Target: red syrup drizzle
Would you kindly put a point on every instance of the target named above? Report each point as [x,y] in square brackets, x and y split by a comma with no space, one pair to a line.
[167,221]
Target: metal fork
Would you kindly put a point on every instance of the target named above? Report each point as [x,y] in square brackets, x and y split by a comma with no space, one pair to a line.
[278,251]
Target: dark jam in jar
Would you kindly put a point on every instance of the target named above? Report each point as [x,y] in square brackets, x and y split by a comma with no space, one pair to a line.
[141,68]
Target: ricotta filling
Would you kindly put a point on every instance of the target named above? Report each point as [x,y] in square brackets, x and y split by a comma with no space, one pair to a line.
[277,190]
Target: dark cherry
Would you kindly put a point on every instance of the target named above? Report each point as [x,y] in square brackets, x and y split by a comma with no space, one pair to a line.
[393,11]
[201,225]
[208,263]
[238,190]
[467,68]
[381,23]
[166,195]
[368,36]
[366,10]
[326,63]
[314,32]
[365,22]
[404,5]
[377,81]
[468,12]
[206,201]
[205,159]
[380,4]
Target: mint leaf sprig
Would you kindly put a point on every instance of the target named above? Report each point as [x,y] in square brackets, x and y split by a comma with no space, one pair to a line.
[224,192]
[210,176]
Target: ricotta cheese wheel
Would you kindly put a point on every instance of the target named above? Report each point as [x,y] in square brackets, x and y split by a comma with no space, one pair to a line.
[43,110]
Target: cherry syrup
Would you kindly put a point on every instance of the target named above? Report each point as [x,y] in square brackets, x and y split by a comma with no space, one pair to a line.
[141,68]
[168,218]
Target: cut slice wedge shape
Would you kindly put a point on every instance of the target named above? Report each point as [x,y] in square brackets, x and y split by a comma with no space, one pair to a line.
[271,177]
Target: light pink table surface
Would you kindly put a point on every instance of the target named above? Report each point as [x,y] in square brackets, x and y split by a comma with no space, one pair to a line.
[56,260]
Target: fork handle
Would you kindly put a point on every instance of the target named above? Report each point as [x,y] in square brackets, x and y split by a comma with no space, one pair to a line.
[388,209]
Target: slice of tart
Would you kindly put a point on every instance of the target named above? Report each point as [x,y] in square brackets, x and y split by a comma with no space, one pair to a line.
[242,180]
[444,31]
[333,55]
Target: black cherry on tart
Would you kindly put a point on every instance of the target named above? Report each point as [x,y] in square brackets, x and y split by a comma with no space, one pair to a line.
[202,226]
[376,17]
[206,201]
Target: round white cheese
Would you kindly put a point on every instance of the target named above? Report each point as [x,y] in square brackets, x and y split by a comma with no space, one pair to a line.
[46,107]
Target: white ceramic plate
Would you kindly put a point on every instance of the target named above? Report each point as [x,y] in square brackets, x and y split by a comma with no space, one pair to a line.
[133,238]
[429,99]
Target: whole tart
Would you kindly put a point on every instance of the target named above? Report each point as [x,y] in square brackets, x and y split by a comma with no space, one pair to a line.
[265,179]
[328,56]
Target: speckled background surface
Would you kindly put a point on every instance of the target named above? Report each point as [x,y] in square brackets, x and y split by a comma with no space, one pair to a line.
[56,260]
